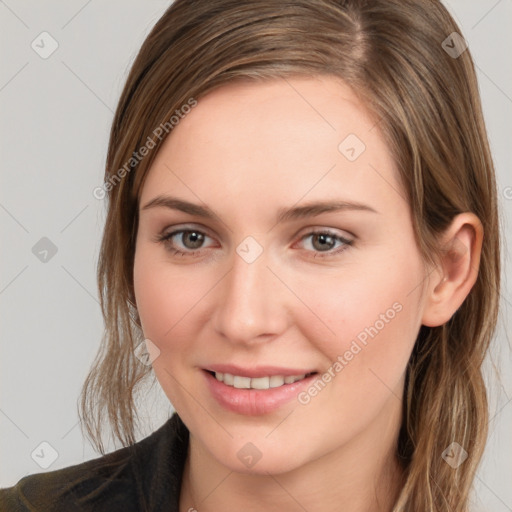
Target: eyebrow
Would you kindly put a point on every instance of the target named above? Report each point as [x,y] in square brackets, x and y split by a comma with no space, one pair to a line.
[284,214]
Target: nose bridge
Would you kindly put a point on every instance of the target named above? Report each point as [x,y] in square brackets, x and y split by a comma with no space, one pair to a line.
[251,303]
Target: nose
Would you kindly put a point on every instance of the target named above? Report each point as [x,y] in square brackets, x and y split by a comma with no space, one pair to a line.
[252,304]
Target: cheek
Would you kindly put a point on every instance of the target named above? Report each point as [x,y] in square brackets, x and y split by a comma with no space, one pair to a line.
[372,317]
[162,293]
[165,303]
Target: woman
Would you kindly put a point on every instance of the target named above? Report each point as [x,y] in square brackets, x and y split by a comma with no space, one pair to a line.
[298,194]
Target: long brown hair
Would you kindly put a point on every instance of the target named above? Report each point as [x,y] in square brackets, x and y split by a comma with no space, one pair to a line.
[402,58]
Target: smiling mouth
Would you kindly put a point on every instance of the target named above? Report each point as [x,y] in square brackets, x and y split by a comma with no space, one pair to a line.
[261,383]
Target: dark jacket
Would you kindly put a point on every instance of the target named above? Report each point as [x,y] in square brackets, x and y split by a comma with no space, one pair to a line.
[142,477]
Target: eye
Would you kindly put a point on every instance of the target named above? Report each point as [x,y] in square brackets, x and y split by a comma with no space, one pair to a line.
[184,242]
[326,243]
[191,242]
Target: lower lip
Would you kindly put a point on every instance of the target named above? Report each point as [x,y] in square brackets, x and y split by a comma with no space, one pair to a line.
[254,402]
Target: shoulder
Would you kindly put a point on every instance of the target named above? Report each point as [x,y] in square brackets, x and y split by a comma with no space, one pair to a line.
[145,476]
[66,488]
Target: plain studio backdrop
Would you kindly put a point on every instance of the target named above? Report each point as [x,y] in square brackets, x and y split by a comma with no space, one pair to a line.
[57,100]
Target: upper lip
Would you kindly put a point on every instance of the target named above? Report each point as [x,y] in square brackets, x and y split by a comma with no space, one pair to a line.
[257,371]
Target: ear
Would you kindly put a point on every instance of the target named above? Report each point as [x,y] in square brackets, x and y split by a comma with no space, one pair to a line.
[451,281]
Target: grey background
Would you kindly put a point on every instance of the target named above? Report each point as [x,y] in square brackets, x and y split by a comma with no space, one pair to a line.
[54,125]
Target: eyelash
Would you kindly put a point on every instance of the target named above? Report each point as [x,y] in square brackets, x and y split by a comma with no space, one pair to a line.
[166,240]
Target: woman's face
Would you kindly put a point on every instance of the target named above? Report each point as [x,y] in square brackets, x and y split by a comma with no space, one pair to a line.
[290,252]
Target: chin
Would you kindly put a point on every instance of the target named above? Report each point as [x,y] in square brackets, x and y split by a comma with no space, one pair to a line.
[274,465]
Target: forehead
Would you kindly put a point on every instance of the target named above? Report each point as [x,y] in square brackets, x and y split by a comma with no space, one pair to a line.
[281,111]
[277,140]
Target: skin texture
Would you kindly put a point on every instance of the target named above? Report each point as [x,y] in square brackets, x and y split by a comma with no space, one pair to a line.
[245,151]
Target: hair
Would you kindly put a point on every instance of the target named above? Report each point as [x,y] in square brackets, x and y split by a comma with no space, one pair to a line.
[427,107]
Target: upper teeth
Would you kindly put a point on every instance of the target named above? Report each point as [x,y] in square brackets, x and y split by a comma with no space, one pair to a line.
[273,381]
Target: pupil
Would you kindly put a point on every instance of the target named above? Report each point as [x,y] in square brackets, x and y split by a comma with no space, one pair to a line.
[196,239]
[326,241]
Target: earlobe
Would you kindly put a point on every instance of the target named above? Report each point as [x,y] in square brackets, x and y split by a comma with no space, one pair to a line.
[451,282]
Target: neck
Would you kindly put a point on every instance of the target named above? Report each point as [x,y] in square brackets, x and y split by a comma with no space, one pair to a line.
[362,476]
